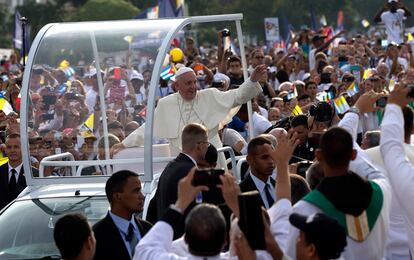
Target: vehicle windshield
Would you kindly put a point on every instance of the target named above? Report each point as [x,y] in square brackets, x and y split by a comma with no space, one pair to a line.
[65,114]
[27,226]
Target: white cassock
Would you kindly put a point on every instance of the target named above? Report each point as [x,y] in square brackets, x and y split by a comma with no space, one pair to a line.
[211,108]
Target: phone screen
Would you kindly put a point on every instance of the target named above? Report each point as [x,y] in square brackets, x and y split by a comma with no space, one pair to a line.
[227,43]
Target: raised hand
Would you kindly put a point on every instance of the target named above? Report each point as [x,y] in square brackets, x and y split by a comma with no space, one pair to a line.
[186,191]
[286,145]
[259,73]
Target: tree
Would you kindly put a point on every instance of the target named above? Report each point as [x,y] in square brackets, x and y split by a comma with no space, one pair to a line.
[98,10]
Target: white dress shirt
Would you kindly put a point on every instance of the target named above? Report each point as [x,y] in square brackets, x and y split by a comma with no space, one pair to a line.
[18,168]
[156,245]
[123,225]
[260,185]
[401,171]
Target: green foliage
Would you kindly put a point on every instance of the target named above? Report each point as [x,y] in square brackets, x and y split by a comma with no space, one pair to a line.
[297,12]
[5,26]
[99,10]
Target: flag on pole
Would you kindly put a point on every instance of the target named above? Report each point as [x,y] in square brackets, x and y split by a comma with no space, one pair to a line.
[353,89]
[168,72]
[128,38]
[291,94]
[314,23]
[325,96]
[341,106]
[3,160]
[340,21]
[323,21]
[170,8]
[410,37]
[296,111]
[18,32]
[67,69]
[18,101]
[89,122]
[368,73]
[365,23]
[5,105]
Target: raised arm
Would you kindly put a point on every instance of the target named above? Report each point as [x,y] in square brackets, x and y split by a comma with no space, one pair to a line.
[361,165]
[156,243]
[377,17]
[280,211]
[401,172]
[326,44]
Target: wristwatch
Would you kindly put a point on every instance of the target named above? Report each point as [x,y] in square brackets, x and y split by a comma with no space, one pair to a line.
[354,110]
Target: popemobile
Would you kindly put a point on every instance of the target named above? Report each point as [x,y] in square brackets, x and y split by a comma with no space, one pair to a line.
[100,53]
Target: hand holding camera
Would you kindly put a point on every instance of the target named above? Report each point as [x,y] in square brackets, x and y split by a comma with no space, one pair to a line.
[187,191]
[366,102]
[402,94]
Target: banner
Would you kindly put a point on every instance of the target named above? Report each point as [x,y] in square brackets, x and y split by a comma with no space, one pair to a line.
[272,29]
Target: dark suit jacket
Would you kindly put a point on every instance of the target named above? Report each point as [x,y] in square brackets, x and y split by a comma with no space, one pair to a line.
[109,243]
[4,184]
[166,193]
[248,185]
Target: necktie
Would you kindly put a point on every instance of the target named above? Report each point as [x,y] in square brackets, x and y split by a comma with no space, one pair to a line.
[12,185]
[269,197]
[131,238]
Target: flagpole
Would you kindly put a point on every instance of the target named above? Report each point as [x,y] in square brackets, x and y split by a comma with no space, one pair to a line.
[23,20]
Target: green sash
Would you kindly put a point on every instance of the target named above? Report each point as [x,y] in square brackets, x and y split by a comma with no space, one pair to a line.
[358,228]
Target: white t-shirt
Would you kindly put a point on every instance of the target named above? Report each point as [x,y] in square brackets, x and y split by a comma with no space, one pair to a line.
[260,124]
[401,61]
[231,137]
[393,25]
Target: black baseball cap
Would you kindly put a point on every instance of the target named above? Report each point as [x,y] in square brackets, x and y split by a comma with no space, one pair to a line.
[325,233]
[318,37]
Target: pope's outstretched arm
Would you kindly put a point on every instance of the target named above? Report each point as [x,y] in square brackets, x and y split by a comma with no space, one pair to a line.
[223,100]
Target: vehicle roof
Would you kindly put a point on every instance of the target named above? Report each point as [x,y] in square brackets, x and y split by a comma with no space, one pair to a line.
[63,190]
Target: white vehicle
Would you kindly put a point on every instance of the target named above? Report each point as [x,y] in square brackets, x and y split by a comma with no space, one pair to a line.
[26,224]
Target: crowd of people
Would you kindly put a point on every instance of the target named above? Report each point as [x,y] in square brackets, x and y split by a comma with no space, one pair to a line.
[332,121]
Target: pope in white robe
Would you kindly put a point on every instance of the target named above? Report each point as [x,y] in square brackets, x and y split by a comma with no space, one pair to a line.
[209,107]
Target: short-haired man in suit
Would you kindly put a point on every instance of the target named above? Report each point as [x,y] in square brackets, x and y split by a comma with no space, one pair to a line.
[195,144]
[74,237]
[12,180]
[259,157]
[119,232]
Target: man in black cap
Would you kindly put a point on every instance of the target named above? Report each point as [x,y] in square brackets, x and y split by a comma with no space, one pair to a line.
[321,237]
[319,44]
[353,191]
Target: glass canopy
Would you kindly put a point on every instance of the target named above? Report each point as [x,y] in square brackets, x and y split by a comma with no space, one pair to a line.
[69,109]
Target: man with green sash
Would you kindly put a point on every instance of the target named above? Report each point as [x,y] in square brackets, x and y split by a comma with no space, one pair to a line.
[353,191]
